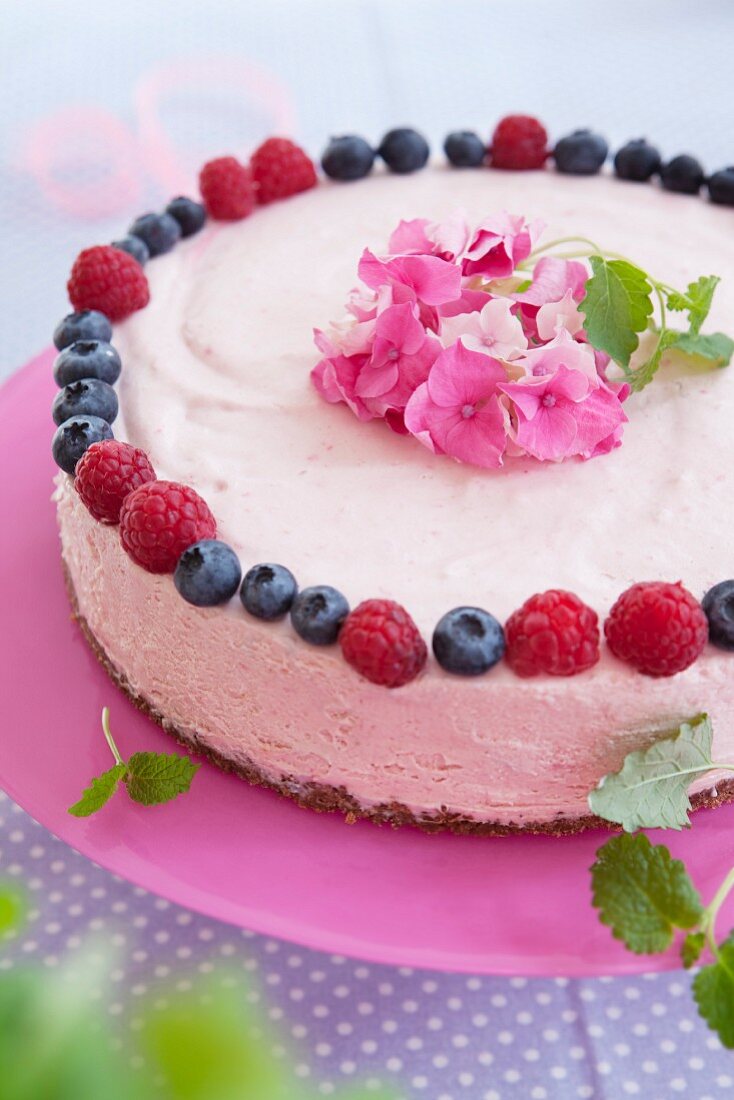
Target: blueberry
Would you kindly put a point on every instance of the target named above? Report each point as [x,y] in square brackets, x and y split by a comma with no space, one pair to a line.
[72,438]
[190,215]
[90,324]
[683,174]
[87,359]
[160,232]
[404,150]
[268,591]
[87,397]
[318,613]
[718,606]
[347,158]
[721,186]
[637,161]
[581,153]
[135,247]
[464,149]
[468,641]
[208,573]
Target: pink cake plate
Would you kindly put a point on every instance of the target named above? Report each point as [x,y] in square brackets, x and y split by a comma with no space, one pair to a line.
[512,905]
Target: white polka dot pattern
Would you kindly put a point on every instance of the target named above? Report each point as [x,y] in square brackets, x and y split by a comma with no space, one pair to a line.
[431,1035]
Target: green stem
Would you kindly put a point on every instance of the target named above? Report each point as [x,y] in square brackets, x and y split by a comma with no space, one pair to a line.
[709,921]
[564,240]
[108,735]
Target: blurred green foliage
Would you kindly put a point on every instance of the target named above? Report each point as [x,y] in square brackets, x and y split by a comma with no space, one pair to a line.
[207,1044]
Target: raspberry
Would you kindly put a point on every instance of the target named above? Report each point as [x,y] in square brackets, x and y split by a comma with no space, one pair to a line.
[281,169]
[161,519]
[109,280]
[227,189]
[106,473]
[519,141]
[658,628]
[553,632]
[382,642]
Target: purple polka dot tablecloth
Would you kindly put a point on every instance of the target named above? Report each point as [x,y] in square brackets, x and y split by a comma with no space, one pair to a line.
[108,113]
[424,1033]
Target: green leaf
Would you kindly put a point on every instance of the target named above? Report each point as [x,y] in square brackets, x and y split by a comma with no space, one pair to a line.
[713,990]
[99,792]
[692,947]
[12,909]
[642,894]
[651,789]
[644,374]
[154,777]
[716,347]
[696,301]
[215,1051]
[617,306]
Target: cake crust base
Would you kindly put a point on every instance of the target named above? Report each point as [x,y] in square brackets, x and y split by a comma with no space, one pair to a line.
[327,799]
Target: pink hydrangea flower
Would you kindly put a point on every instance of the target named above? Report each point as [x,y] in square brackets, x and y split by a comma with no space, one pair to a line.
[564,351]
[451,237]
[362,303]
[553,317]
[560,415]
[493,330]
[601,420]
[472,374]
[402,356]
[498,245]
[553,281]
[457,410]
[552,277]
[335,378]
[428,278]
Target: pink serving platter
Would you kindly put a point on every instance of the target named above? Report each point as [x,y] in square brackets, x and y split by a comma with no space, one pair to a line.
[514,905]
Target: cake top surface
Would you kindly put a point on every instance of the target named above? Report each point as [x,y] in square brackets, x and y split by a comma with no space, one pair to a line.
[217,391]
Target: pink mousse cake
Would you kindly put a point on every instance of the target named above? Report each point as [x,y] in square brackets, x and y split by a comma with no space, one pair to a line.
[216,389]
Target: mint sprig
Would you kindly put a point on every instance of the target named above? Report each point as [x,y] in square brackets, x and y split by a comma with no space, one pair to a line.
[650,791]
[622,301]
[617,306]
[715,347]
[619,302]
[713,992]
[642,894]
[645,896]
[695,301]
[150,777]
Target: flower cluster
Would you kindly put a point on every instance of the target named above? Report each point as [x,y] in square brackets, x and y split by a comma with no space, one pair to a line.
[448,342]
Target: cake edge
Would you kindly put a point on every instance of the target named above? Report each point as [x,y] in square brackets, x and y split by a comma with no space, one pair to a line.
[323,798]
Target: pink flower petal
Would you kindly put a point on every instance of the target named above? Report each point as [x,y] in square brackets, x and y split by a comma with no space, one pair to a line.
[450,237]
[552,277]
[374,381]
[563,314]
[434,280]
[479,439]
[601,421]
[469,301]
[335,379]
[461,377]
[562,351]
[498,245]
[410,236]
[549,435]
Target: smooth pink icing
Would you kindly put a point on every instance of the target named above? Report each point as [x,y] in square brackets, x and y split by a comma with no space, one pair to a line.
[216,388]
